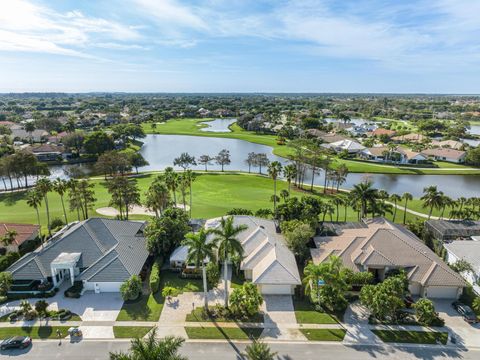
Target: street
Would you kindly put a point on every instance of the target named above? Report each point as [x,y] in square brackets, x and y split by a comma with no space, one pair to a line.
[98,350]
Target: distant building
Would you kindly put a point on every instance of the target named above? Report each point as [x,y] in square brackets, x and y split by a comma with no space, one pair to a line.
[352,147]
[398,155]
[453,229]
[24,234]
[446,154]
[381,131]
[452,144]
[412,138]
[47,152]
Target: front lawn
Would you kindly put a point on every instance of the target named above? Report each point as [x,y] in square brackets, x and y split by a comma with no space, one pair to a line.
[415,337]
[173,279]
[324,334]
[146,308]
[198,315]
[35,332]
[234,333]
[130,332]
[305,313]
[237,280]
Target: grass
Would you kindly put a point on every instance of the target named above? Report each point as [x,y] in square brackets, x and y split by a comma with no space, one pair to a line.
[305,313]
[146,308]
[173,279]
[234,333]
[414,337]
[130,332]
[237,280]
[35,332]
[197,315]
[324,334]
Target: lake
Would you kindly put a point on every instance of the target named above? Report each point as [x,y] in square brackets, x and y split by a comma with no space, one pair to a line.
[218,125]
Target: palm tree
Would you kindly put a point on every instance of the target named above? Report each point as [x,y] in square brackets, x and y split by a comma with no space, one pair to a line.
[259,351]
[432,198]
[60,186]
[312,275]
[9,237]
[290,173]
[284,194]
[364,193]
[190,177]
[407,197]
[446,201]
[274,170]
[152,348]
[337,202]
[228,245]
[171,180]
[34,200]
[43,186]
[395,198]
[157,197]
[200,249]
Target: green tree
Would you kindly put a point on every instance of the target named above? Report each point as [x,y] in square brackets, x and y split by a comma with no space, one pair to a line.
[125,194]
[34,200]
[157,196]
[297,235]
[213,274]
[274,170]
[425,312]
[200,249]
[185,160]
[407,197]
[152,348]
[364,193]
[223,158]
[137,160]
[98,142]
[86,196]
[41,307]
[205,160]
[44,186]
[9,237]
[6,281]
[131,288]
[228,245]
[171,180]
[259,351]
[60,186]
[395,198]
[432,198]
[246,300]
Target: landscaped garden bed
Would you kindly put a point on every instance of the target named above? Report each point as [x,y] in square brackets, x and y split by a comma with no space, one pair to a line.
[220,314]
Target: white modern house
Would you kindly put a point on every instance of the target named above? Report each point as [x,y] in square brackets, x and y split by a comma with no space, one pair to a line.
[468,250]
[352,147]
[101,253]
[267,262]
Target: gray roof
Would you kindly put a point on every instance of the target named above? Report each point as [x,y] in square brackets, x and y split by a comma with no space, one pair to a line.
[468,250]
[454,227]
[111,250]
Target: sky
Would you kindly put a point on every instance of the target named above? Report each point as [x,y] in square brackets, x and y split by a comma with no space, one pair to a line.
[421,46]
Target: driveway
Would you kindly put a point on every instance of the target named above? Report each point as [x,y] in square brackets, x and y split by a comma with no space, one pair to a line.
[466,334]
[280,321]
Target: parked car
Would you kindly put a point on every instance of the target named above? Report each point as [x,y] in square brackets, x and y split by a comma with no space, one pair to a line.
[16,342]
[467,313]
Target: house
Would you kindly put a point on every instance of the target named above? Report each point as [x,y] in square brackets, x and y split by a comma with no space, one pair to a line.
[446,154]
[47,152]
[379,246]
[410,138]
[398,155]
[332,138]
[102,253]
[468,250]
[24,234]
[381,131]
[452,144]
[352,147]
[36,135]
[267,261]
[445,230]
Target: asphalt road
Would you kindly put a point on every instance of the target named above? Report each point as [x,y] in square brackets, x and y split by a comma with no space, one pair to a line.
[98,350]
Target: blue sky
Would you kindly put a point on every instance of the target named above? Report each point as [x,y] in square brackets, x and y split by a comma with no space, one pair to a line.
[240,45]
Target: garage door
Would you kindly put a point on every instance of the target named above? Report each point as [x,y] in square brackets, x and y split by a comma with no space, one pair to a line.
[441,292]
[276,289]
[108,287]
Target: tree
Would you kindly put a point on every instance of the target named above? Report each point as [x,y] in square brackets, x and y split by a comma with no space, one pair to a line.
[223,158]
[473,156]
[9,237]
[137,160]
[364,193]
[98,142]
[171,180]
[461,266]
[395,198]
[200,249]
[6,281]
[74,141]
[34,200]
[125,194]
[274,170]
[261,161]
[312,276]
[213,274]
[41,307]
[432,198]
[152,348]
[476,304]
[297,235]
[25,306]
[251,160]
[44,186]
[205,160]
[60,186]
[425,312]
[228,245]
[112,163]
[407,197]
[185,160]
[157,196]
[259,351]
[86,195]
[246,300]
[167,232]
[290,173]
[131,288]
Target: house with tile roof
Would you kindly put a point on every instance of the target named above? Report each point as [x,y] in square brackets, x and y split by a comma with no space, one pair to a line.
[24,234]
[101,253]
[379,246]
[446,154]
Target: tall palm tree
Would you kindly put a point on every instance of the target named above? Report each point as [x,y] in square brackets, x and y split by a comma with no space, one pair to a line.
[157,197]
[228,245]
[199,250]
[407,197]
[395,198]
[60,186]
[44,186]
[337,201]
[34,200]
[446,201]
[190,177]
[274,170]
[432,198]
[152,348]
[364,193]
[171,180]
[290,173]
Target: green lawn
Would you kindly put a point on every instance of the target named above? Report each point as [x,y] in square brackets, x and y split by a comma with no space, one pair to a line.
[305,314]
[237,280]
[130,332]
[197,315]
[324,334]
[173,279]
[35,332]
[234,333]
[415,337]
[146,308]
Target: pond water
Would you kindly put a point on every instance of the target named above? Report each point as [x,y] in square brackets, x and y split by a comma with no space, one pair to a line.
[161,150]
[218,125]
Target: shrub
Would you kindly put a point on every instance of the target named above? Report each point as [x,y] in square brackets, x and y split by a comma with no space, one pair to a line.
[75,290]
[425,312]
[213,275]
[56,224]
[7,260]
[154,280]
[30,315]
[168,291]
[41,307]
[6,281]
[131,288]
[240,211]
[246,301]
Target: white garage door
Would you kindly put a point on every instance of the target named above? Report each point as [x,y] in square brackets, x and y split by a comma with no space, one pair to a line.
[108,287]
[276,289]
[441,292]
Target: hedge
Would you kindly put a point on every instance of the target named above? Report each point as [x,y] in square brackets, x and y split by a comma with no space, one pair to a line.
[154,280]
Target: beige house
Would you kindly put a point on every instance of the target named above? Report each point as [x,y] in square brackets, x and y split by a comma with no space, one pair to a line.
[446,154]
[378,246]
[24,234]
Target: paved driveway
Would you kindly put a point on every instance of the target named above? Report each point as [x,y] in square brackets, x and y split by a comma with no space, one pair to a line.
[280,321]
[466,334]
